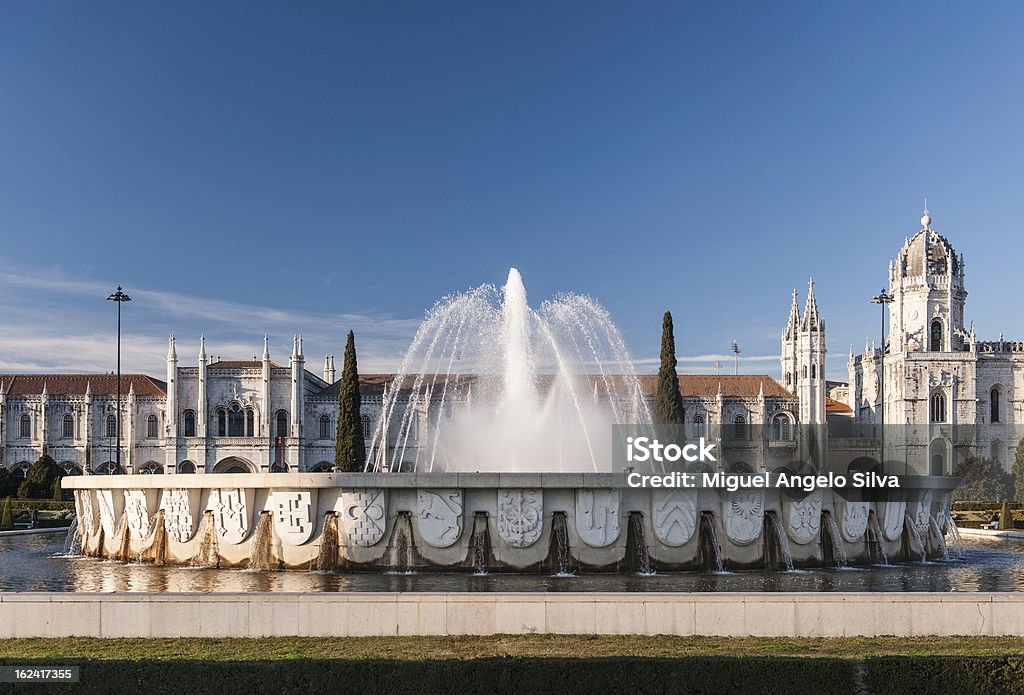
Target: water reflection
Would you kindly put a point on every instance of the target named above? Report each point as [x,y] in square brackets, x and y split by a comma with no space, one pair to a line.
[32,563]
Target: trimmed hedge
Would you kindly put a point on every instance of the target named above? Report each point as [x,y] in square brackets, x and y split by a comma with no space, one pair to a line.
[711,674]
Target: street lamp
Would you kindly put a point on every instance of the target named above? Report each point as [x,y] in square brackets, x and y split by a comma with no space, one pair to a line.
[736,352]
[882,299]
[118,297]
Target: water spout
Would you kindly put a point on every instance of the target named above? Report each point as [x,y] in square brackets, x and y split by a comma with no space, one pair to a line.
[261,555]
[402,549]
[936,539]
[124,545]
[876,541]
[712,559]
[777,554]
[637,552]
[832,547]
[208,554]
[327,559]
[155,543]
[559,551]
[73,541]
[480,544]
[954,533]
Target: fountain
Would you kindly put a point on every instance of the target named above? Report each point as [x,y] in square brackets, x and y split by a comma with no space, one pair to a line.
[327,558]
[875,541]
[832,542]
[493,452]
[636,544]
[777,554]
[533,390]
[935,537]
[73,541]
[261,557]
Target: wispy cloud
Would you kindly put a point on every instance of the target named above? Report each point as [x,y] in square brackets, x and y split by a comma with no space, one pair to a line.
[54,323]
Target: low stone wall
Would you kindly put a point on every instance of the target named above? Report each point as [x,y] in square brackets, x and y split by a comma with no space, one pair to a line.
[370,614]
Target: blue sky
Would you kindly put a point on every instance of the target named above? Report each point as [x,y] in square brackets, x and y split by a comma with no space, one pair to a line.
[249,167]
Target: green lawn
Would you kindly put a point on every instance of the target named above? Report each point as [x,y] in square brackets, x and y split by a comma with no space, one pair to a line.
[563,646]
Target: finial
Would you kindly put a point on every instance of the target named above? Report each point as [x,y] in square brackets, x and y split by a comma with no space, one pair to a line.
[926,219]
[88,388]
[202,346]
[46,391]
[266,346]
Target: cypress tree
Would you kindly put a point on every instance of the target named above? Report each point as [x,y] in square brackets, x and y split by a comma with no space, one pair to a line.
[38,483]
[668,402]
[7,520]
[349,447]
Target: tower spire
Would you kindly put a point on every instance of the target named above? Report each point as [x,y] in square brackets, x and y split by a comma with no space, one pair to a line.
[794,317]
[172,354]
[812,320]
[266,347]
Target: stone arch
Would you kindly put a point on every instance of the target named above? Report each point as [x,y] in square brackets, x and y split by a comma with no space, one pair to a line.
[234,464]
[151,468]
[70,468]
[186,466]
[322,467]
[997,451]
[939,457]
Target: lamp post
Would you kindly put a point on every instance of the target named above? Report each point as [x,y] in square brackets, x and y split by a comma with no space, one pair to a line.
[119,297]
[736,352]
[882,299]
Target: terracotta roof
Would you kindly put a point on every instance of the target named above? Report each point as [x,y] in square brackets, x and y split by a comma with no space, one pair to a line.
[76,384]
[241,364]
[837,407]
[696,385]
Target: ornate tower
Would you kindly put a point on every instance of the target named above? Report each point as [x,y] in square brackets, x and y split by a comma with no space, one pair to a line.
[926,281]
[803,358]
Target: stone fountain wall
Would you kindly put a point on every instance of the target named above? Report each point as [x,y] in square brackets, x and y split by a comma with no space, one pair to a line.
[426,521]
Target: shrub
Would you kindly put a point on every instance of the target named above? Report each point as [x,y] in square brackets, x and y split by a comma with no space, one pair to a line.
[38,484]
[984,481]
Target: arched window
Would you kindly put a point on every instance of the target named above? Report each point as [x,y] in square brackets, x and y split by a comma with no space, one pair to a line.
[236,421]
[282,423]
[108,468]
[936,336]
[67,427]
[325,427]
[25,427]
[322,467]
[994,403]
[151,468]
[111,426]
[186,467]
[20,472]
[781,429]
[364,420]
[71,468]
[938,407]
[740,427]
[997,452]
[222,423]
[814,371]
[188,424]
[152,427]
[699,426]
[250,423]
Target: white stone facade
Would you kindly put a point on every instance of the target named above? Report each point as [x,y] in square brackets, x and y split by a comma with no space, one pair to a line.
[951,395]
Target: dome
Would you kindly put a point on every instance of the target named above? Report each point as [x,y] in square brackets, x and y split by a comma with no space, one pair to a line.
[928,252]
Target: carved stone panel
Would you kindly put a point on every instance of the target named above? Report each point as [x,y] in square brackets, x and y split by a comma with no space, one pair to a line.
[294,514]
[520,516]
[744,516]
[109,509]
[180,508]
[597,516]
[439,514]
[137,513]
[895,510]
[923,513]
[804,518]
[855,519]
[363,513]
[232,510]
[675,515]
